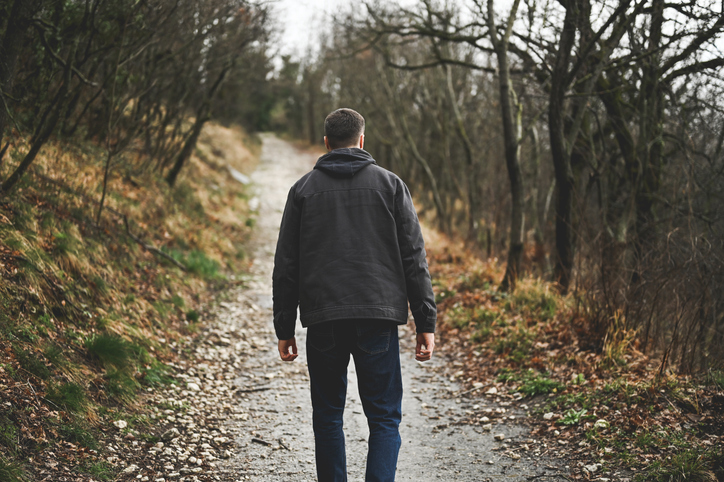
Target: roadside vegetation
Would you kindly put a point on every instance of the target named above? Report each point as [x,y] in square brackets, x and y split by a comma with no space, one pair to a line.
[94,314]
[596,399]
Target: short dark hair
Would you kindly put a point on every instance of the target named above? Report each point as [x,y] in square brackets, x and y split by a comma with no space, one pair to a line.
[343,128]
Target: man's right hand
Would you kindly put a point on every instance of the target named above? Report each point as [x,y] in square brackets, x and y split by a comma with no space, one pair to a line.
[288,349]
[426,340]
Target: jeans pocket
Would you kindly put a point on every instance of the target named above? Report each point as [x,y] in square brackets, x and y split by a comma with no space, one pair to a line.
[374,336]
[321,337]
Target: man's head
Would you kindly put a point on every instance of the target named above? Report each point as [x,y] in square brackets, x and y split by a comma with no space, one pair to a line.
[344,128]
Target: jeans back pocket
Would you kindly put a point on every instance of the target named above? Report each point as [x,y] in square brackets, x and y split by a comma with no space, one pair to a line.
[321,337]
[373,336]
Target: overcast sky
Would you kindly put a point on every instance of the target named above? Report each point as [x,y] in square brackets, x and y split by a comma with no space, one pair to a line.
[301,20]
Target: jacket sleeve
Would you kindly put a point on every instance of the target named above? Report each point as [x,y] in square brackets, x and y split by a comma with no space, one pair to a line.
[285,278]
[412,250]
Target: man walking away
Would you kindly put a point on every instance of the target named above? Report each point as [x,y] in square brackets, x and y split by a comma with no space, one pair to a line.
[351,256]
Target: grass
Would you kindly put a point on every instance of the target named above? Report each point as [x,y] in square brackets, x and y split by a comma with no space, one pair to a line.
[515,343]
[100,469]
[68,396]
[573,417]
[112,350]
[156,373]
[532,382]
[8,434]
[687,466]
[78,433]
[715,378]
[10,471]
[31,363]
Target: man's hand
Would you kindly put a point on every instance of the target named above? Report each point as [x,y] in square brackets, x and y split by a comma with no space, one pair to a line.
[284,349]
[426,340]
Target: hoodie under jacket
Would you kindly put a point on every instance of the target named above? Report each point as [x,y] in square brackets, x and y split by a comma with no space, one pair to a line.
[350,247]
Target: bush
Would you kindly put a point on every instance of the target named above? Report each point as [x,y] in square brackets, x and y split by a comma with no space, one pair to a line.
[111,350]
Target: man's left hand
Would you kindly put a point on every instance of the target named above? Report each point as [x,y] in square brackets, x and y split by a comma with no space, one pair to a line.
[288,349]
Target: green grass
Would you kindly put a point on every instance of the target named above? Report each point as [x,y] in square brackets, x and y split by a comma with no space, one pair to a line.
[68,396]
[100,469]
[156,373]
[111,350]
[476,280]
[534,300]
[532,382]
[11,472]
[441,291]
[515,343]
[121,385]
[76,432]
[31,363]
[687,466]
[715,378]
[197,263]
[573,417]
[8,434]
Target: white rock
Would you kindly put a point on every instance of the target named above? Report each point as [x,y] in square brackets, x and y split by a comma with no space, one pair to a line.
[193,386]
[492,391]
[549,416]
[601,424]
[130,469]
[499,436]
[591,468]
[487,427]
[484,419]
[121,424]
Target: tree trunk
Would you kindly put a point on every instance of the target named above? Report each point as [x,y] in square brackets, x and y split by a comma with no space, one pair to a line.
[187,149]
[202,117]
[560,154]
[20,18]
[472,179]
[44,129]
[511,134]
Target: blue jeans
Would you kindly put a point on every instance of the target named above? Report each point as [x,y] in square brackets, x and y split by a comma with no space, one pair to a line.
[376,351]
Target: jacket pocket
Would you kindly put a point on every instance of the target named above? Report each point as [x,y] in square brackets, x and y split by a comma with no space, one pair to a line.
[374,336]
[321,337]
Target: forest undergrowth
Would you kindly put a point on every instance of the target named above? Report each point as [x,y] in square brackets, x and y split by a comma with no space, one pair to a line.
[92,312]
[599,403]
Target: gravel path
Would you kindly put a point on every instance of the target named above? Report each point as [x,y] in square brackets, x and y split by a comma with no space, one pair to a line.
[239,413]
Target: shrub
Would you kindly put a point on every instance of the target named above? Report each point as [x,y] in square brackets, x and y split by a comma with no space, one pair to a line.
[111,350]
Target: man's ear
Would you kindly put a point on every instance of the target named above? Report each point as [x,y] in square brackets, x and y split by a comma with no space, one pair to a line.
[361,141]
[326,144]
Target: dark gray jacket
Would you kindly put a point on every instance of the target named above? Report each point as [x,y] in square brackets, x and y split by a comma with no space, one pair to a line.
[350,247]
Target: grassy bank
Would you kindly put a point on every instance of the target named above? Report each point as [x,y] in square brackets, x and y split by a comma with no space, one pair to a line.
[597,402]
[93,312]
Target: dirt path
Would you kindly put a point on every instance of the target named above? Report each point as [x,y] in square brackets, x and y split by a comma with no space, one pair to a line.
[275,396]
[238,413]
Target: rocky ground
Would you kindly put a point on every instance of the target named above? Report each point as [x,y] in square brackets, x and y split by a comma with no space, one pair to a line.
[238,413]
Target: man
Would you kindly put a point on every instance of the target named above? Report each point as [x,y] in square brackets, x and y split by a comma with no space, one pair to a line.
[350,254]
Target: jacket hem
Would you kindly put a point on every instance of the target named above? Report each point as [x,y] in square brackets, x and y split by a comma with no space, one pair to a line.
[354,312]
